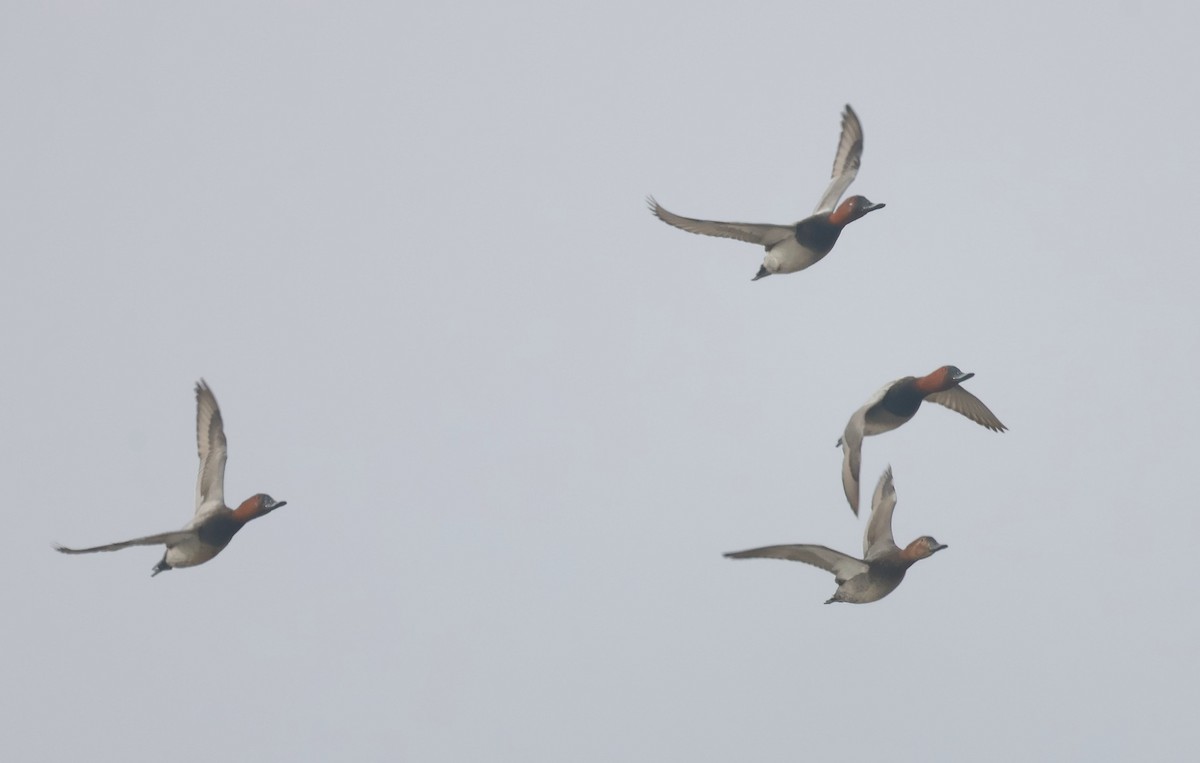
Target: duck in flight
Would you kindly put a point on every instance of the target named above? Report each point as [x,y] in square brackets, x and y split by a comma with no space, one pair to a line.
[214,523]
[795,247]
[897,402]
[882,568]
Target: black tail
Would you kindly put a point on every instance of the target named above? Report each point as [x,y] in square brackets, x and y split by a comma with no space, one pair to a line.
[162,566]
[762,273]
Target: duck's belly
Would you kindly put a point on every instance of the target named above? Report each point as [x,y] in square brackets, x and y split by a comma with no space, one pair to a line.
[190,553]
[864,589]
[880,420]
[790,256]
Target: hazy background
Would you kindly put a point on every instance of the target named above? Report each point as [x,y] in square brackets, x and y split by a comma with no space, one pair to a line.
[517,420]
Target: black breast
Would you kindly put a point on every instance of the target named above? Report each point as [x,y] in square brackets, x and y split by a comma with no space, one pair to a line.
[218,530]
[903,399]
[817,234]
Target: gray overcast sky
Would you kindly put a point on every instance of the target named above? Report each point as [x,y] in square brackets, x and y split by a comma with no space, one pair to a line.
[517,419]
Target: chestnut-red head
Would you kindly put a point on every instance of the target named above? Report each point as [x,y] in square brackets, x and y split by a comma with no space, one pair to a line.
[853,208]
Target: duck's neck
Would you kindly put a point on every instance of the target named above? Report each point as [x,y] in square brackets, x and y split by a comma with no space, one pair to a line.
[251,508]
[937,381]
[843,215]
[909,555]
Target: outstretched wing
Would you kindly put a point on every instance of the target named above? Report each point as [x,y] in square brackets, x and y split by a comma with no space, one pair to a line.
[878,538]
[959,400]
[845,162]
[851,443]
[754,233]
[213,451]
[169,539]
[841,565]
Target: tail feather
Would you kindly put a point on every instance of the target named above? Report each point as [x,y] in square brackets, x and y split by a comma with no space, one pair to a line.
[162,566]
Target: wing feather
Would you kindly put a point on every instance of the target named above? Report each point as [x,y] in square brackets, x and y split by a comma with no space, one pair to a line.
[959,400]
[212,449]
[841,565]
[754,233]
[845,163]
[878,538]
[851,443]
[169,539]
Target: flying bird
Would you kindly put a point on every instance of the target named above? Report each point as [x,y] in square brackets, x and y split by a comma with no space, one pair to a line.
[214,524]
[882,568]
[897,402]
[795,247]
